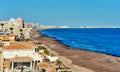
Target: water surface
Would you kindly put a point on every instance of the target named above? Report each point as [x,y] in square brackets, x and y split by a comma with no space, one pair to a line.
[105,40]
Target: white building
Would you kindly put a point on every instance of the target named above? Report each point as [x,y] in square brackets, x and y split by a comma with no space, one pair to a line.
[13,22]
[19,54]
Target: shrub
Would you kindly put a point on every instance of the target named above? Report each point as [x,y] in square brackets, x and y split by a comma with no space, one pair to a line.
[45,50]
[41,47]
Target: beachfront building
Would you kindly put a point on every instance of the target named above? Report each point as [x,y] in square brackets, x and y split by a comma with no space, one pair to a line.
[9,27]
[26,32]
[20,22]
[25,27]
[20,54]
[6,38]
[5,41]
[14,26]
[29,24]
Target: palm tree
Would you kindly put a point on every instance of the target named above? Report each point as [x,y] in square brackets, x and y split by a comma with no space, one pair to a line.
[2,24]
[21,30]
[11,28]
[21,34]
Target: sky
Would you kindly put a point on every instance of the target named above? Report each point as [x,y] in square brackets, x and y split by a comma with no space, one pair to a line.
[63,12]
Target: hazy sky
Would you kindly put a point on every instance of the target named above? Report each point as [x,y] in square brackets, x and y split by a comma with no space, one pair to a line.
[63,12]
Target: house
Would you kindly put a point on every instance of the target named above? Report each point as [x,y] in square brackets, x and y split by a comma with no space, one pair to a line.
[12,37]
[4,36]
[5,40]
[20,54]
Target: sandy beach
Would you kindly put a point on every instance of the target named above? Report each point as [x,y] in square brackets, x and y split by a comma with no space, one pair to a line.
[80,60]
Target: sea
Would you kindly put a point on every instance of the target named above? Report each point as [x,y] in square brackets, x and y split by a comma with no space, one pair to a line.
[103,40]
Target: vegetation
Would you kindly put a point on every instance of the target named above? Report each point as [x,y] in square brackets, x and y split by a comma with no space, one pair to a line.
[1,44]
[21,30]
[11,28]
[45,50]
[2,24]
[52,55]
[41,47]
[46,60]
[27,39]
[43,70]
[59,63]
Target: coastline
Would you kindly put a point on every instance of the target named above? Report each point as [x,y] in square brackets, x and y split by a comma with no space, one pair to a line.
[78,58]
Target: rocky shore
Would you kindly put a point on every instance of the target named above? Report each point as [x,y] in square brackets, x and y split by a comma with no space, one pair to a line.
[80,60]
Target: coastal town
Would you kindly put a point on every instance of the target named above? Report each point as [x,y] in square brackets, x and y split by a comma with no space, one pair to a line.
[59,36]
[21,52]
[24,49]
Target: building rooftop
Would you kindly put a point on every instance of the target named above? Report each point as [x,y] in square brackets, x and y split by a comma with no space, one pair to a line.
[5,38]
[20,45]
[43,64]
[11,35]
[46,66]
[21,58]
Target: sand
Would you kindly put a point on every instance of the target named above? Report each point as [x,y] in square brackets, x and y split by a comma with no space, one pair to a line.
[81,60]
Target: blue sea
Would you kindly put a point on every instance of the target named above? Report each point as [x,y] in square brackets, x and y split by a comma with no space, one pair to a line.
[104,40]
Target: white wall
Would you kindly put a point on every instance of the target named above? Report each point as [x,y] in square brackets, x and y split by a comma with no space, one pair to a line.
[13,53]
[54,58]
